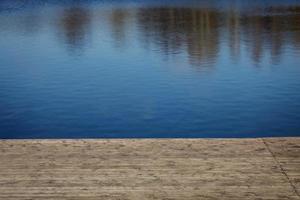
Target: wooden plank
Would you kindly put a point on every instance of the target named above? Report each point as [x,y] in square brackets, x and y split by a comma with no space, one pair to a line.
[145,169]
[287,153]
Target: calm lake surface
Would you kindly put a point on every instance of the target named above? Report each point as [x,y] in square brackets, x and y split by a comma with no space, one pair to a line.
[173,68]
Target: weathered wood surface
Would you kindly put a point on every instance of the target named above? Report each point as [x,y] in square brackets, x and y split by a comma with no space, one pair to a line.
[179,169]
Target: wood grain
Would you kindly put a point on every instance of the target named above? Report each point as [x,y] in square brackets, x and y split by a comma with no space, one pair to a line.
[150,169]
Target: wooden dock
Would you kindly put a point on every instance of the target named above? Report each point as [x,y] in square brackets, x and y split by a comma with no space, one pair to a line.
[156,169]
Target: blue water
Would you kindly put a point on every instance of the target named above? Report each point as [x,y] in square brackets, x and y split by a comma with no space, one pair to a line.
[149,68]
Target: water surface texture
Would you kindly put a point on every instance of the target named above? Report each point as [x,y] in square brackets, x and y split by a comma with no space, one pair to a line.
[149,68]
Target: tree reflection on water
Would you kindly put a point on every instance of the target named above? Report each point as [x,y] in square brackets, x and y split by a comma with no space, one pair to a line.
[199,32]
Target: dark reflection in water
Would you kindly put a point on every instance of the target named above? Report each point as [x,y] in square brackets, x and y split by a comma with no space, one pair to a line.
[174,30]
[118,25]
[149,69]
[75,24]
